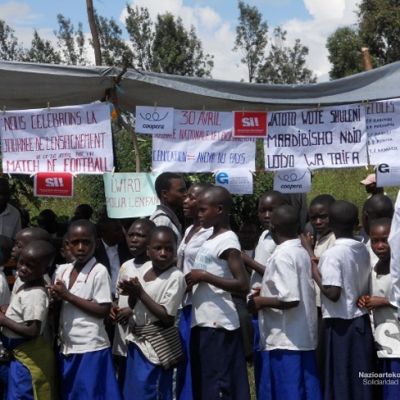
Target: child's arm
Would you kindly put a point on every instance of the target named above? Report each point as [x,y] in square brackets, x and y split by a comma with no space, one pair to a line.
[27,329]
[99,310]
[253,264]
[331,292]
[257,302]
[239,282]
[372,302]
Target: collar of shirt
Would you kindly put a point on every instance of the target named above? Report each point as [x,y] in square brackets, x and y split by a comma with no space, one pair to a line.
[165,209]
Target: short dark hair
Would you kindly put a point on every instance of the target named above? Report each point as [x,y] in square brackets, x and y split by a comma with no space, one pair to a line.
[164,229]
[85,223]
[85,209]
[380,222]
[163,182]
[285,220]
[323,199]
[43,249]
[378,206]
[343,215]
[144,221]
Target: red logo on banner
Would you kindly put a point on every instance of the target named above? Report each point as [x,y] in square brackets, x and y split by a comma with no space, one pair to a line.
[53,184]
[250,124]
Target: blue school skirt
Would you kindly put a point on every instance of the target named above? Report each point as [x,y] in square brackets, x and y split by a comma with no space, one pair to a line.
[293,375]
[184,374]
[218,365]
[390,366]
[349,350]
[145,380]
[89,376]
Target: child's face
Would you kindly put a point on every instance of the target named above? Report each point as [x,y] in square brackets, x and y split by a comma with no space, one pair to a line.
[379,241]
[162,250]
[190,202]
[81,243]
[208,212]
[319,218]
[265,210]
[137,238]
[176,193]
[29,267]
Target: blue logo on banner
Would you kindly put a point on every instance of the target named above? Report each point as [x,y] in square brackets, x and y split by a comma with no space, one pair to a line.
[222,178]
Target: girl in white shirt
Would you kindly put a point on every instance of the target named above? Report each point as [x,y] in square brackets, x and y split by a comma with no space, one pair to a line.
[84,287]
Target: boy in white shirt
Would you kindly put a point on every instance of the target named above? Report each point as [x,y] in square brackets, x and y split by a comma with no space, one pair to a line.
[217,355]
[343,275]
[85,291]
[288,314]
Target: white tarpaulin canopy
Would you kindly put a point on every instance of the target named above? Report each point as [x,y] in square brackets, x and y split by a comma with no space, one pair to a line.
[28,85]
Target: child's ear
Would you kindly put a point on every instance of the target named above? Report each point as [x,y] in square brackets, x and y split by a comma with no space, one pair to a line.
[220,208]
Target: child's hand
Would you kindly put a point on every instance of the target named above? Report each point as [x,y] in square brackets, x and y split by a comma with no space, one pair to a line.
[59,291]
[253,303]
[362,301]
[315,271]
[123,315]
[3,308]
[131,287]
[375,302]
[114,310]
[195,276]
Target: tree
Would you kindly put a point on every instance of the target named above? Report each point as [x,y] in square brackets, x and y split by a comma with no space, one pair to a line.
[251,38]
[177,51]
[140,28]
[10,49]
[70,42]
[344,47]
[42,51]
[379,29]
[285,64]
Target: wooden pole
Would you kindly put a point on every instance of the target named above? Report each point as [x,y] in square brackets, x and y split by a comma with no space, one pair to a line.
[366,59]
[94,31]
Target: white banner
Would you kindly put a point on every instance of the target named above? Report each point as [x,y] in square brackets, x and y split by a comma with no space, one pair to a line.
[237,181]
[202,142]
[330,137]
[388,175]
[152,120]
[383,128]
[292,181]
[75,139]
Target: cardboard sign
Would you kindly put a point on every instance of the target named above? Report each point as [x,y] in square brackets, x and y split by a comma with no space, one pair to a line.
[53,184]
[130,194]
[250,124]
[237,181]
[152,120]
[292,181]
[75,139]
[387,175]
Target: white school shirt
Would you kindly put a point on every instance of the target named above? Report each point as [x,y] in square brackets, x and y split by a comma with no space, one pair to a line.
[27,304]
[288,278]
[213,307]
[115,264]
[10,222]
[346,265]
[4,288]
[167,290]
[129,269]
[187,253]
[81,332]
[264,249]
[387,326]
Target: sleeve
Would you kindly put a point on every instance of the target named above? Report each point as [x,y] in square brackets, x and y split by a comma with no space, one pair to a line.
[331,270]
[102,287]
[34,305]
[283,278]
[394,240]
[173,294]
[163,220]
[4,290]
[227,242]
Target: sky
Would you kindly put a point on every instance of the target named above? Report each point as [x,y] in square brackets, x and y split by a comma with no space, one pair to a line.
[312,21]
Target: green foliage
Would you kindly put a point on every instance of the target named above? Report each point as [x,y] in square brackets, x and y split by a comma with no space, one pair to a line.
[285,64]
[251,38]
[10,49]
[42,51]
[344,47]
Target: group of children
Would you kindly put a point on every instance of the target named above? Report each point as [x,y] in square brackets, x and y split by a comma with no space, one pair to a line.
[177,328]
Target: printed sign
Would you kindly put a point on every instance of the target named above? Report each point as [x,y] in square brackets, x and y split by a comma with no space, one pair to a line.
[75,139]
[383,128]
[202,142]
[130,195]
[51,184]
[292,181]
[250,124]
[387,175]
[237,181]
[330,137]
[152,120]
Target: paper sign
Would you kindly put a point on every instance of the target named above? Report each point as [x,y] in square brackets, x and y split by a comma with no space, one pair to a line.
[53,184]
[202,142]
[153,120]
[237,181]
[130,195]
[75,139]
[250,124]
[387,175]
[383,128]
[330,137]
[292,181]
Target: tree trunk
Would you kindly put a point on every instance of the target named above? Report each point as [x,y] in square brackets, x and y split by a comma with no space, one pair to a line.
[93,30]
[366,59]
